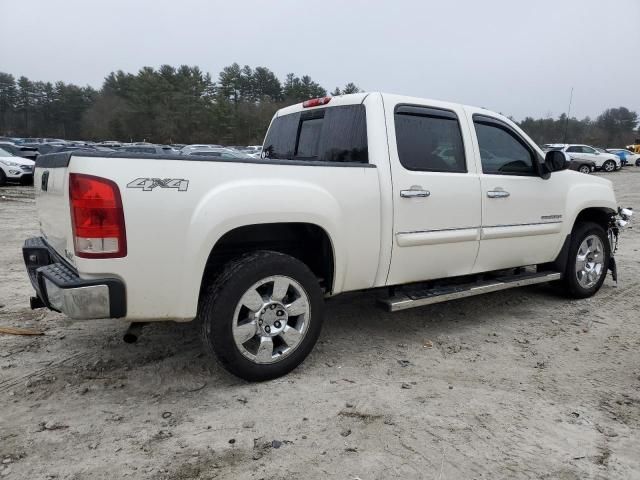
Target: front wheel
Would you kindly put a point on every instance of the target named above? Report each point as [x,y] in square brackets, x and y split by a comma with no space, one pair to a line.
[609,166]
[588,262]
[584,169]
[263,315]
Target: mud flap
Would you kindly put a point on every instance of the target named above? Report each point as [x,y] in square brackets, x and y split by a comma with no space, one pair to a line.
[614,269]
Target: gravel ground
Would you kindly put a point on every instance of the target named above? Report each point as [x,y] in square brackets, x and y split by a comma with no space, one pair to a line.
[517,384]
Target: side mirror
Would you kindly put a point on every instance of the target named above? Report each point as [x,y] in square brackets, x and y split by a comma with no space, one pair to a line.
[554,161]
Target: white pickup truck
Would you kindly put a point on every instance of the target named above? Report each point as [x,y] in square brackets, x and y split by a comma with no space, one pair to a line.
[424,200]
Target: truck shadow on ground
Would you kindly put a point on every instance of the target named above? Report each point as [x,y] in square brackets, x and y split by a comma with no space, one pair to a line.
[354,324]
[171,358]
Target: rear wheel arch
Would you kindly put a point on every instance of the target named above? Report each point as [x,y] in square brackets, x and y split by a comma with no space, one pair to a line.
[308,242]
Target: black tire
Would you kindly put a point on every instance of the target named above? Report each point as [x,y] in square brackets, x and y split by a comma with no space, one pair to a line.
[3,178]
[609,166]
[586,169]
[572,286]
[218,306]
[26,180]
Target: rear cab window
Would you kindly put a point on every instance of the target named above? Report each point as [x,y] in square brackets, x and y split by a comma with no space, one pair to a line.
[332,134]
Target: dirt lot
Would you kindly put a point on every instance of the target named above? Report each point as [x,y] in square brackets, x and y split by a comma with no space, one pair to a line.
[519,384]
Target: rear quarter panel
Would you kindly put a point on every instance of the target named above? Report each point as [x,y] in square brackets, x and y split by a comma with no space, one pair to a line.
[170,233]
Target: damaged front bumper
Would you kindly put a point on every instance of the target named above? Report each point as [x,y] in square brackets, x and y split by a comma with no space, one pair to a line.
[59,287]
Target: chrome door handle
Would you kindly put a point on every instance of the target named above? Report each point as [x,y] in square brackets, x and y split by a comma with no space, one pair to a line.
[497,194]
[414,193]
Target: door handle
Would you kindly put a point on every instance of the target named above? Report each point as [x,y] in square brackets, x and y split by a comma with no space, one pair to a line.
[497,194]
[414,193]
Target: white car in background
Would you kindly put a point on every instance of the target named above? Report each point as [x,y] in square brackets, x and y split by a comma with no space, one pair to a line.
[190,148]
[15,169]
[224,153]
[603,160]
[631,158]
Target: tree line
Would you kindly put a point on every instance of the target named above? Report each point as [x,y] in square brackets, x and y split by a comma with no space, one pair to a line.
[186,105]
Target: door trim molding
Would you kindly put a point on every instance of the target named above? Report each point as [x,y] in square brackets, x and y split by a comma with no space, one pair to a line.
[435,237]
[519,230]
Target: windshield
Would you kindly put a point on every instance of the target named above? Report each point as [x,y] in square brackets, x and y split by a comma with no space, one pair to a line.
[4,153]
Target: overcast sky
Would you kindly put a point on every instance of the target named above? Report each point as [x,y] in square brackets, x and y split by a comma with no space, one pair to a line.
[503,55]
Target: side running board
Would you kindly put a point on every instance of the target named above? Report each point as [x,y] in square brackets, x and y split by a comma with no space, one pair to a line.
[410,296]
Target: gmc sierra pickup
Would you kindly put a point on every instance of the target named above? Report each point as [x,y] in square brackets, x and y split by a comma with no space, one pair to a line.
[424,200]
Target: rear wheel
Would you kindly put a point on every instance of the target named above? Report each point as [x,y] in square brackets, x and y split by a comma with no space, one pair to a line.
[584,169]
[588,262]
[609,166]
[263,315]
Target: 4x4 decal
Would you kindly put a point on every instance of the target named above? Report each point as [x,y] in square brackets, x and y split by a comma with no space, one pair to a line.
[148,184]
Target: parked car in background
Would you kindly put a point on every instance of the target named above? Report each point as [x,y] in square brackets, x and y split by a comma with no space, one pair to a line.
[110,144]
[623,162]
[582,166]
[150,149]
[225,153]
[185,150]
[252,150]
[30,153]
[44,148]
[626,156]
[76,148]
[603,161]
[14,168]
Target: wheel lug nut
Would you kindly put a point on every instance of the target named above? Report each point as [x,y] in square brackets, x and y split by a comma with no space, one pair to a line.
[277,324]
[267,329]
[272,307]
[280,313]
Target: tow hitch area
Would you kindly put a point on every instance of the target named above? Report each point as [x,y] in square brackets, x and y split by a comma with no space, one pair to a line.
[133,332]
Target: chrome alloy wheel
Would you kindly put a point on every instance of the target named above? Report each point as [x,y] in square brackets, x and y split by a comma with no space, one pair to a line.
[584,169]
[609,166]
[271,319]
[590,261]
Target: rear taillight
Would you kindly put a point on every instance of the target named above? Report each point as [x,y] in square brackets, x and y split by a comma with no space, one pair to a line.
[315,102]
[97,217]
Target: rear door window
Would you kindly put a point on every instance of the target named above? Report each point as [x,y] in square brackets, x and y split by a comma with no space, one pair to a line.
[429,140]
[333,134]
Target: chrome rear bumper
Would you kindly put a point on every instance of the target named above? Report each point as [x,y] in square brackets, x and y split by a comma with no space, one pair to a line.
[60,288]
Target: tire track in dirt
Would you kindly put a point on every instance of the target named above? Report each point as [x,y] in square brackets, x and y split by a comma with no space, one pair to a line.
[71,361]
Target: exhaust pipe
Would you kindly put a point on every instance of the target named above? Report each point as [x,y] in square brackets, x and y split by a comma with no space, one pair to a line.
[133,332]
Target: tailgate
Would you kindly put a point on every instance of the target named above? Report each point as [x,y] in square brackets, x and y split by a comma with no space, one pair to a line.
[51,184]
